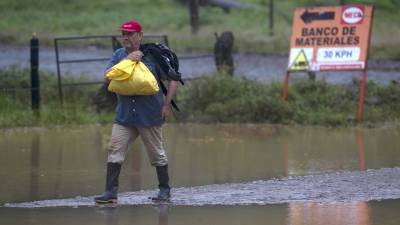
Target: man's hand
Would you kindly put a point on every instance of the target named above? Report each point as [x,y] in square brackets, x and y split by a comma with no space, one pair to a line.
[165,111]
[135,55]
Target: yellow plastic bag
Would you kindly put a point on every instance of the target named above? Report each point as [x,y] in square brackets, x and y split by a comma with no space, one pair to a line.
[132,78]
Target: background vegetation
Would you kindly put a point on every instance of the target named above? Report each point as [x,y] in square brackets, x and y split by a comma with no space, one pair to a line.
[222,98]
[15,101]
[210,99]
[49,18]
[219,98]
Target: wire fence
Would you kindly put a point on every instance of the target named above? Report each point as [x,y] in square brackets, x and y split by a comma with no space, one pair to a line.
[65,88]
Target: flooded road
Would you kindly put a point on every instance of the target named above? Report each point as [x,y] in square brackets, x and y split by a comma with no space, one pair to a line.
[288,175]
[328,188]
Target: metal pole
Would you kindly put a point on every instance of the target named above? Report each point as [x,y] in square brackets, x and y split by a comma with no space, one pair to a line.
[60,92]
[35,83]
[165,37]
[285,86]
[271,17]
[360,114]
[115,43]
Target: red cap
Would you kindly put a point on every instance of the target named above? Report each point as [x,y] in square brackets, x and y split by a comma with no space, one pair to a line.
[131,26]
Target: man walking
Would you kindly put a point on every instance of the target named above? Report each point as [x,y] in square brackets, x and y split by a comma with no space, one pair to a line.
[138,116]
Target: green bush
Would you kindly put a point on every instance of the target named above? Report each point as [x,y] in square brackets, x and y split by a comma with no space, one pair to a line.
[217,98]
[222,98]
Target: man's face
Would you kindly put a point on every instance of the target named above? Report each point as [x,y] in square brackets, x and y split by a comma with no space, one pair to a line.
[131,40]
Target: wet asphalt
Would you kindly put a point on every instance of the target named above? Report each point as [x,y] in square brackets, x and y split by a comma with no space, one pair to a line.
[265,68]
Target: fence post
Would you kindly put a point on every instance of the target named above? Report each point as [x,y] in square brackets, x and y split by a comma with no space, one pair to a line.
[194,15]
[35,83]
[60,92]
[166,42]
[271,17]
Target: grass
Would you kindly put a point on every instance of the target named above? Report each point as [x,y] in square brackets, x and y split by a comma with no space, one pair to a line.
[212,99]
[15,106]
[49,19]
[19,115]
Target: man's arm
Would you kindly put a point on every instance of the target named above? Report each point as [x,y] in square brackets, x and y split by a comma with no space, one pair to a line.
[172,87]
[106,80]
[135,56]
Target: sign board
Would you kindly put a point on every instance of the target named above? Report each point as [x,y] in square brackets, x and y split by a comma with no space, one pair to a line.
[330,38]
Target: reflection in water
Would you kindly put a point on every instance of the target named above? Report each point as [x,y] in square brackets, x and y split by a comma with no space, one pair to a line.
[35,161]
[285,158]
[325,150]
[361,149]
[59,165]
[162,214]
[357,213]
[359,136]
[328,214]
[111,215]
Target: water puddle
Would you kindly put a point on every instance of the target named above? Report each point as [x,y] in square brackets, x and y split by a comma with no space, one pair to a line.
[222,174]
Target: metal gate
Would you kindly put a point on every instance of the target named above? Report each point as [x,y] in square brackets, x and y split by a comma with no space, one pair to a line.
[114,44]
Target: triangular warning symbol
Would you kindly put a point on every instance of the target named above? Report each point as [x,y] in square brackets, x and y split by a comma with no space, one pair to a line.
[300,62]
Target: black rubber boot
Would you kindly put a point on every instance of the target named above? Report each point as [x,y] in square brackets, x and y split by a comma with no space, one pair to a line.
[110,195]
[163,179]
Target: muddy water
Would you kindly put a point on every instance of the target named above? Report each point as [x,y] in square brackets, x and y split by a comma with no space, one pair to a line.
[360,213]
[63,162]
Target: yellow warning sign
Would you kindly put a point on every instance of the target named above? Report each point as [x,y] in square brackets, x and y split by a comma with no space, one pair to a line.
[300,62]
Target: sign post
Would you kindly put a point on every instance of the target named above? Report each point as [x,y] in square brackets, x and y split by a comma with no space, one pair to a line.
[334,38]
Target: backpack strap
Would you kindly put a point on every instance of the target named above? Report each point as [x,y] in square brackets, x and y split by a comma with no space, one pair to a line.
[162,66]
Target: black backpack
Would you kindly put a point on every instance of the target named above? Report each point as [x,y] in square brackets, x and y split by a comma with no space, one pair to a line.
[168,63]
